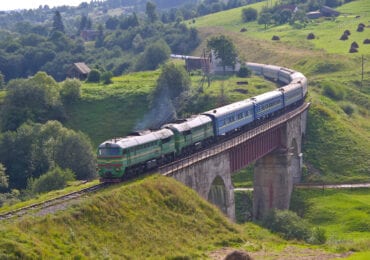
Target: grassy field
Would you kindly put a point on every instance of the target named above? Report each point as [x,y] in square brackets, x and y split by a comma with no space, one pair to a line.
[327,31]
[344,214]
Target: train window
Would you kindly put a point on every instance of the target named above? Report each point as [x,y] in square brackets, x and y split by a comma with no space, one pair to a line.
[166,140]
[109,151]
[240,115]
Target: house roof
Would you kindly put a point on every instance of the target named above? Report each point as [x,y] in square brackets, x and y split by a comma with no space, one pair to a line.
[82,67]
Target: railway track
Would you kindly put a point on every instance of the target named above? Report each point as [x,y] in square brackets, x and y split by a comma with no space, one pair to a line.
[51,202]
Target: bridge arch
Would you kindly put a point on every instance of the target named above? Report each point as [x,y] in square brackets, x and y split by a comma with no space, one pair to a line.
[217,194]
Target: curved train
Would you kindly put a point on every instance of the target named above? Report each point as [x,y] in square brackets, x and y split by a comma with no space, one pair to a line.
[128,156]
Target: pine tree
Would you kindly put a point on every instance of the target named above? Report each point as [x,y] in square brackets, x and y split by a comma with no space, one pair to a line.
[57,22]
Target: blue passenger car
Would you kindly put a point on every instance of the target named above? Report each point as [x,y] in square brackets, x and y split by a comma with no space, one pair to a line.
[292,93]
[268,104]
[231,117]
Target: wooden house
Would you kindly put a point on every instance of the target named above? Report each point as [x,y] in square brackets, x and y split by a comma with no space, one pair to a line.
[78,70]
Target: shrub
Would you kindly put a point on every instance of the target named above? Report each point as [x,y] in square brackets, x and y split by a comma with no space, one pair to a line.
[288,224]
[249,14]
[310,36]
[348,108]
[318,236]
[244,72]
[344,37]
[71,90]
[54,179]
[336,93]
[354,45]
[106,77]
[94,76]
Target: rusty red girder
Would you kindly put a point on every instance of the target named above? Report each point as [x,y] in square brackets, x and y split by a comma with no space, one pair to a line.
[254,148]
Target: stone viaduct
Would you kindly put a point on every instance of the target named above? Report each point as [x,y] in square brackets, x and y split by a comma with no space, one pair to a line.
[275,147]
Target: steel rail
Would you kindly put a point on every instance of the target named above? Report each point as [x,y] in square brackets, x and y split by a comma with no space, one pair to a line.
[51,202]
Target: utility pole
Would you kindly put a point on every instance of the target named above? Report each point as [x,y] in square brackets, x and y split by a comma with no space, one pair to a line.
[362,71]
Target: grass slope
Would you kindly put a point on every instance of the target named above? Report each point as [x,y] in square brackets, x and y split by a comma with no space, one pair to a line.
[344,214]
[153,218]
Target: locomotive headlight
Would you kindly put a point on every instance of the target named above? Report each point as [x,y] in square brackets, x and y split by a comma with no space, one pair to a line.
[118,169]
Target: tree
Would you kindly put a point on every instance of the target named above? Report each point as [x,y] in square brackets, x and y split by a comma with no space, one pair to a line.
[54,179]
[2,81]
[154,55]
[57,22]
[151,12]
[74,151]
[106,77]
[265,18]
[71,90]
[34,149]
[112,23]
[99,42]
[224,50]
[94,76]
[173,79]
[35,99]
[249,14]
[4,179]
[85,24]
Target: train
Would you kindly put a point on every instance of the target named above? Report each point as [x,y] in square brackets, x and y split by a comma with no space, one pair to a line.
[121,158]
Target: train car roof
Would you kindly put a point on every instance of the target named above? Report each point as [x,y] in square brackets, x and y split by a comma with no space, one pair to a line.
[287,70]
[221,111]
[131,141]
[290,87]
[267,96]
[189,123]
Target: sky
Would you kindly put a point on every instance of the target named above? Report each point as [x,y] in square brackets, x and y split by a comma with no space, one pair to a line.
[6,5]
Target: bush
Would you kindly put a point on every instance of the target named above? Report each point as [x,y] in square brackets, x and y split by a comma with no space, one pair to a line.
[94,76]
[288,224]
[348,108]
[54,179]
[244,72]
[336,93]
[71,90]
[318,236]
[249,14]
[106,77]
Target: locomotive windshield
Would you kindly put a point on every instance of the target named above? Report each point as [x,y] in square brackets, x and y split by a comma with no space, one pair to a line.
[109,151]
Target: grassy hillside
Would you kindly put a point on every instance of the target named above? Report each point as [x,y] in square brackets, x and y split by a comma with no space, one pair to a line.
[107,111]
[153,218]
[343,214]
